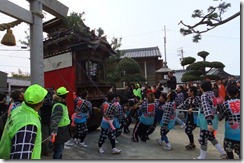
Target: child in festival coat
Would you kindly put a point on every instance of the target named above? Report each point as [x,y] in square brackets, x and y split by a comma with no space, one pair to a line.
[192,103]
[230,110]
[109,124]
[121,119]
[158,113]
[83,110]
[168,119]
[147,113]
[208,121]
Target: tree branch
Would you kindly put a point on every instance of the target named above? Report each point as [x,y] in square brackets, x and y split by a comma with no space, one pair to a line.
[209,20]
[228,19]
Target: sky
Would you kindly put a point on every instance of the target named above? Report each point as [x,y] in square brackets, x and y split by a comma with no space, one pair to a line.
[141,24]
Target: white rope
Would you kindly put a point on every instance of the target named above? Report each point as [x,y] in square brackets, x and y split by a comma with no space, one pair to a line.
[188,111]
[48,138]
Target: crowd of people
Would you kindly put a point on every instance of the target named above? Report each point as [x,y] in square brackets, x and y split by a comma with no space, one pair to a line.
[38,119]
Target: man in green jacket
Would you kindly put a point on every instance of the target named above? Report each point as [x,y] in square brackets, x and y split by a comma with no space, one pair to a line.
[22,137]
[137,91]
[60,122]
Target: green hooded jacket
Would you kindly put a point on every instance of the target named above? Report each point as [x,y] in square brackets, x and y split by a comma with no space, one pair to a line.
[20,117]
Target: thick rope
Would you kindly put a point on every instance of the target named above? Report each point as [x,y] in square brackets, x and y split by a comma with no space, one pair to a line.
[38,13]
[12,24]
[5,26]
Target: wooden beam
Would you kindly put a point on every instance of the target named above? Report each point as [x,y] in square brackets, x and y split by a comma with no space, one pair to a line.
[16,11]
[55,8]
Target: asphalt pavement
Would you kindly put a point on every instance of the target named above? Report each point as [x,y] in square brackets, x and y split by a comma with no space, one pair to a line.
[149,150]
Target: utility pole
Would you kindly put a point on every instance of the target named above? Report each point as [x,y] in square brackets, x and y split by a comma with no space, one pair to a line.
[181,53]
[165,59]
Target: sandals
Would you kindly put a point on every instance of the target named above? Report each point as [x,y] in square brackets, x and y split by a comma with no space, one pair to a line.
[190,146]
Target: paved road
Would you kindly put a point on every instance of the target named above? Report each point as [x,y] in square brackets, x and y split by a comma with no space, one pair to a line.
[141,150]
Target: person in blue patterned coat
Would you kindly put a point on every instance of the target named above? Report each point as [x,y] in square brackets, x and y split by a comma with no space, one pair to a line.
[179,99]
[109,123]
[146,118]
[83,110]
[208,121]
[121,119]
[230,110]
[158,113]
[168,119]
[191,105]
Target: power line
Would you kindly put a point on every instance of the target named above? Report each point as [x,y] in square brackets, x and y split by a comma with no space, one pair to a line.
[210,35]
[222,37]
[133,35]
[13,50]
[170,30]
[13,66]
[15,57]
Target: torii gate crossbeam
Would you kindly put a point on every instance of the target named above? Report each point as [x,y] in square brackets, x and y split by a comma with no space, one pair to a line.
[34,18]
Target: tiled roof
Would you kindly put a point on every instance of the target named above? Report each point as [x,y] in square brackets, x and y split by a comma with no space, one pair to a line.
[18,82]
[141,52]
[219,72]
[1,72]
[215,71]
